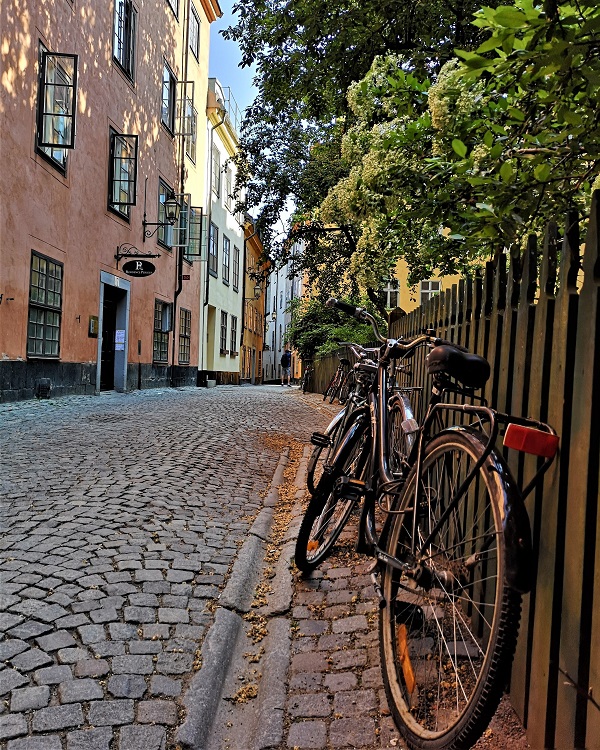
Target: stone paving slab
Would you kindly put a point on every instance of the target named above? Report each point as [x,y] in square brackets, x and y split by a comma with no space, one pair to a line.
[122,516]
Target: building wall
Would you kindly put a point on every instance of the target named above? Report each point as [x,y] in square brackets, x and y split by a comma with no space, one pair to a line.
[220,295]
[253,329]
[65,217]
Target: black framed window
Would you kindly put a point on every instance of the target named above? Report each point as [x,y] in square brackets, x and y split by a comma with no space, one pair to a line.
[195,244]
[169,94]
[45,307]
[226,259]
[233,339]
[190,139]
[185,335]
[391,293]
[236,268]
[124,36]
[57,106]
[429,289]
[216,171]
[165,233]
[195,33]
[162,326]
[122,172]
[213,249]
[223,337]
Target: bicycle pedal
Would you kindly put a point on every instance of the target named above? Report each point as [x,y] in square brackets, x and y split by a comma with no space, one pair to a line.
[319,439]
[409,426]
[350,489]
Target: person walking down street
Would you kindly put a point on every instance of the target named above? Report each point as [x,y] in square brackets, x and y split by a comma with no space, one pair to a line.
[286,364]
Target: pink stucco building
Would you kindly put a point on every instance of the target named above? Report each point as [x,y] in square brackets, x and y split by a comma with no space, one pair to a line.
[103,119]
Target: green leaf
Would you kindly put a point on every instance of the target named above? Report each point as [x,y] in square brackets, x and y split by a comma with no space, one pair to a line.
[459,147]
[485,207]
[506,171]
[542,172]
[456,236]
[488,138]
[496,150]
[510,18]
[492,43]
[516,114]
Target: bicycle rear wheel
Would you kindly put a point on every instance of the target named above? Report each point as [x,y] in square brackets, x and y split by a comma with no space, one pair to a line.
[448,632]
[401,436]
[327,512]
[320,457]
[335,387]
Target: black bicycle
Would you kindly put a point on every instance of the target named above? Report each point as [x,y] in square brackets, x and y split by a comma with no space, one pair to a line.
[338,381]
[453,553]
[307,376]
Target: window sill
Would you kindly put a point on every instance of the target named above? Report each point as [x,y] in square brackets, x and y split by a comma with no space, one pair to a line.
[225,282]
[233,354]
[54,357]
[213,274]
[224,352]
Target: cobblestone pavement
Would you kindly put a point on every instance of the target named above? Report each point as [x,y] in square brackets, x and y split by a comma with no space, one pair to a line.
[121,516]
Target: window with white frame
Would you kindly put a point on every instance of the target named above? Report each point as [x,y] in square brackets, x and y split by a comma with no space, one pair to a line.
[226,259]
[124,36]
[122,172]
[45,307]
[236,268]
[233,341]
[213,249]
[229,188]
[216,171]
[57,106]
[162,326]
[169,89]
[223,337]
[185,335]
[174,7]
[429,289]
[195,33]
[391,294]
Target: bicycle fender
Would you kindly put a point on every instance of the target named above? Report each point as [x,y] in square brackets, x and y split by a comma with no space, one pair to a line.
[515,519]
[357,425]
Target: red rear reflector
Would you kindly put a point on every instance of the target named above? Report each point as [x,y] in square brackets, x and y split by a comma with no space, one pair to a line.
[530,440]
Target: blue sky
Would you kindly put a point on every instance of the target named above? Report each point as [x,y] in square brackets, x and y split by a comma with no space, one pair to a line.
[224,59]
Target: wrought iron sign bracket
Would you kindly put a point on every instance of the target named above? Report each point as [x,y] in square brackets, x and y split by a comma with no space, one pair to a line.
[129,251]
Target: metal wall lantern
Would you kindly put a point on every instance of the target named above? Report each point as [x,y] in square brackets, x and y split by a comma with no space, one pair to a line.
[172,208]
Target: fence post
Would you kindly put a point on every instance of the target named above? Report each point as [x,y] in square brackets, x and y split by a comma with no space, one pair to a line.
[582,515]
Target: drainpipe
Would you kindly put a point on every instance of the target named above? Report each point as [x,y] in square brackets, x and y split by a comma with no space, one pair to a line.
[179,258]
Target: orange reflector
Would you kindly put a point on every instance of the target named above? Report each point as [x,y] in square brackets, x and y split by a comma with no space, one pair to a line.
[530,440]
[407,670]
[312,546]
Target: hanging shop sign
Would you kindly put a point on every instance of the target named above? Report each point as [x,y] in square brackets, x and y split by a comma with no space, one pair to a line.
[138,268]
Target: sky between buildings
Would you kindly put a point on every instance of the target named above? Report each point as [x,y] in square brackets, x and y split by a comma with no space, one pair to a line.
[225,57]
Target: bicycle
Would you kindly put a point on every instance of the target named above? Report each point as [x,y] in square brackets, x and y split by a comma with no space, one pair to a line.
[338,379]
[453,555]
[307,377]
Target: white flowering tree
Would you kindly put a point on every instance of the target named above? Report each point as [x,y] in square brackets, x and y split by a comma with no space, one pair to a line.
[507,137]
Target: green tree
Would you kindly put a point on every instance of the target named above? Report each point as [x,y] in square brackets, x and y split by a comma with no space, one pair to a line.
[307,53]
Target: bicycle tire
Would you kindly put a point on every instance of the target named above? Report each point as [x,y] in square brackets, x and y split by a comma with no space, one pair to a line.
[329,386]
[327,514]
[319,457]
[306,382]
[400,442]
[446,650]
[333,391]
[346,387]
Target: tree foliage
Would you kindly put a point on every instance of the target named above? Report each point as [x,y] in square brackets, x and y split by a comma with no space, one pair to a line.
[315,329]
[307,53]
[506,138]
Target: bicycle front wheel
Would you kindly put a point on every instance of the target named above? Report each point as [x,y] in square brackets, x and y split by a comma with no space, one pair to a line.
[327,512]
[401,438]
[449,629]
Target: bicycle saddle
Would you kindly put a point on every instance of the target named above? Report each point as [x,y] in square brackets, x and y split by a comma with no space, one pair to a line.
[469,369]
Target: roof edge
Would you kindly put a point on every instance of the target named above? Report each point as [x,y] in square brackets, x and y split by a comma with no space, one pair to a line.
[212,9]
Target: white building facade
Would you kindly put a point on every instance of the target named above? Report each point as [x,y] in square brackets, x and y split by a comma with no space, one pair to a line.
[283,287]
[222,275]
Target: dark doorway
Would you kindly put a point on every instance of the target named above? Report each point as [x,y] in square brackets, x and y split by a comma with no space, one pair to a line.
[112,297]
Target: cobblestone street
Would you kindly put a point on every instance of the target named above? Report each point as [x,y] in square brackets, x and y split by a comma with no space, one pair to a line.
[121,517]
